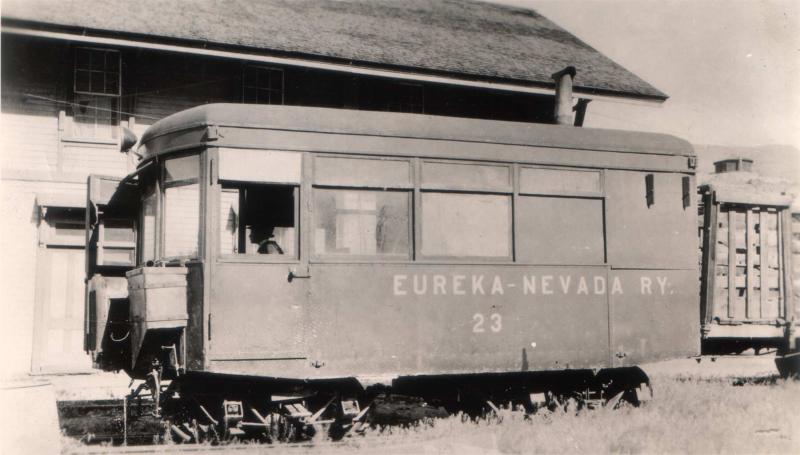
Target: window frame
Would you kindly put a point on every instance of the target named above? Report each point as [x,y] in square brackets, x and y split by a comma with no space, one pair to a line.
[258,258]
[258,89]
[161,223]
[315,257]
[600,193]
[469,259]
[408,188]
[71,131]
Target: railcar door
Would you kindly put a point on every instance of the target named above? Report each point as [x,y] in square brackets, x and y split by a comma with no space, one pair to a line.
[258,288]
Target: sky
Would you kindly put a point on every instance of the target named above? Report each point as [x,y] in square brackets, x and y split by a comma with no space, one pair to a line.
[731,68]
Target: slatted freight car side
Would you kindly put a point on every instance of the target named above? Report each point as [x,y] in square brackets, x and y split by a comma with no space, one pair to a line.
[747,297]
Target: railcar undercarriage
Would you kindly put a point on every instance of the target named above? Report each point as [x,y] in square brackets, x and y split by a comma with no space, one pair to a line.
[204,407]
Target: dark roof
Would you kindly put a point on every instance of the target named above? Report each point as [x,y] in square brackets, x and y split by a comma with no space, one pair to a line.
[458,38]
[390,124]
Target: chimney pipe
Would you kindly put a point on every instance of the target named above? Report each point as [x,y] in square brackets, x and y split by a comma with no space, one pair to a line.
[563,109]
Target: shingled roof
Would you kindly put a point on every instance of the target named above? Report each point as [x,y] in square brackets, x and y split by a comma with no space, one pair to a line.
[461,39]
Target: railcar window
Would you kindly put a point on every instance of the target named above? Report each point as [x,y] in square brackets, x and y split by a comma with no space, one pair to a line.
[472,176]
[181,206]
[560,230]
[362,172]
[466,225]
[361,223]
[149,227]
[181,220]
[262,166]
[180,169]
[258,219]
[559,181]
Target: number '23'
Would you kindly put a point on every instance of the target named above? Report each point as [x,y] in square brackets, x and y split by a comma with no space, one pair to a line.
[495,324]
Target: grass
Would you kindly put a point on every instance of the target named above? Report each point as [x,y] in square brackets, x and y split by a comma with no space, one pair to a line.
[686,416]
[690,413]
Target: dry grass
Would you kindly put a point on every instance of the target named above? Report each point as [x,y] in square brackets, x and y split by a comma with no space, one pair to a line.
[686,416]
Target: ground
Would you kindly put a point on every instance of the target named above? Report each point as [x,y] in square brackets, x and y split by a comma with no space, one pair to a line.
[728,405]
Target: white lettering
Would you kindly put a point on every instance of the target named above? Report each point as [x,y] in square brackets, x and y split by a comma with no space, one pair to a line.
[565,283]
[616,286]
[662,283]
[529,284]
[583,288]
[439,283]
[546,281]
[646,283]
[420,286]
[599,285]
[477,285]
[497,322]
[458,281]
[398,283]
[497,286]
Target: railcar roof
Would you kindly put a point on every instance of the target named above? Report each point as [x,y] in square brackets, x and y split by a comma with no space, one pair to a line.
[414,126]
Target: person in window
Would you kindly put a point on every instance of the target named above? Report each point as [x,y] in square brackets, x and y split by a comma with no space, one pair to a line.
[263,237]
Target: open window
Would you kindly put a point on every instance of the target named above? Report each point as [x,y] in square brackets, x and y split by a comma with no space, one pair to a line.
[110,226]
[257,219]
[259,203]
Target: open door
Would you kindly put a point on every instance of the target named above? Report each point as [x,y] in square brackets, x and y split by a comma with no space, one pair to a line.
[111,237]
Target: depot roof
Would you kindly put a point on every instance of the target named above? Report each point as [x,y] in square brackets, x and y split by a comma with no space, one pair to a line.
[459,39]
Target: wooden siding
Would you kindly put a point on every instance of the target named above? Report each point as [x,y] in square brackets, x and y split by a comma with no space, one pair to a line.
[30,126]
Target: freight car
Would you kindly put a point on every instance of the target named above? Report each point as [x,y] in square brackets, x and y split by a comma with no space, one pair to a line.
[284,264]
[747,301]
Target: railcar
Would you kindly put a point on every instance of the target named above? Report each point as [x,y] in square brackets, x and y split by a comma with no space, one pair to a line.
[747,298]
[285,262]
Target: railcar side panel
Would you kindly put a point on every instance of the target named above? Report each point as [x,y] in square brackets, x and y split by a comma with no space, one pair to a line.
[379,319]
[653,315]
[255,313]
[656,233]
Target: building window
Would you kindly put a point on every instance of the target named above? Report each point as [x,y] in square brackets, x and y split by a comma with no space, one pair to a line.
[262,85]
[96,93]
[408,98]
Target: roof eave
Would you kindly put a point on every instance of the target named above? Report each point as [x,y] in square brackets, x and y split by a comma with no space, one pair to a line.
[170,44]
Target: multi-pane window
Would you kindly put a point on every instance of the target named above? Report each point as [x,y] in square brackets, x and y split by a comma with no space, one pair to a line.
[560,216]
[462,213]
[262,85]
[96,89]
[407,97]
[362,207]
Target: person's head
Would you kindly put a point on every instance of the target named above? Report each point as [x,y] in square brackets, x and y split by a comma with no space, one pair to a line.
[261,233]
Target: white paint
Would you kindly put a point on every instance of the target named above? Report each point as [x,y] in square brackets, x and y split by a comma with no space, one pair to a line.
[263,166]
[646,284]
[398,284]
